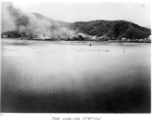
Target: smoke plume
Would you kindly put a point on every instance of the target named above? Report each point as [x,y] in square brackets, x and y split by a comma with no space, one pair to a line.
[32,25]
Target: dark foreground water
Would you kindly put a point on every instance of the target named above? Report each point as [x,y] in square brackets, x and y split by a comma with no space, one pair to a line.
[72,77]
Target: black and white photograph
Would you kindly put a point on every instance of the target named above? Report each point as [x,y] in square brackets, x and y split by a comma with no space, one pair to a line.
[75,57]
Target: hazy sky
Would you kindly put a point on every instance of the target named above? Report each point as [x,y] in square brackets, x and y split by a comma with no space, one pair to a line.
[139,13]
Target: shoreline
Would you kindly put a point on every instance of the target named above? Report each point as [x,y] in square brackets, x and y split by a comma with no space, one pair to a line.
[117,41]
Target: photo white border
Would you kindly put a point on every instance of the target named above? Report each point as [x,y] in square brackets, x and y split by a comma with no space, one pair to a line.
[48,116]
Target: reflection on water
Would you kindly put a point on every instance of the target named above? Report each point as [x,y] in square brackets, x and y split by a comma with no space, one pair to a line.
[43,76]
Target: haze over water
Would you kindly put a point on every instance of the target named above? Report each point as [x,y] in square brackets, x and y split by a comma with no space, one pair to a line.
[47,76]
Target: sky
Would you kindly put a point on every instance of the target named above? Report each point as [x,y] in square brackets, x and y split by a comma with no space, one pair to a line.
[137,12]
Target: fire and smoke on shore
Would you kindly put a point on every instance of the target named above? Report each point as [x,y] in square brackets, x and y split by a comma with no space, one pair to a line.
[23,25]
[34,25]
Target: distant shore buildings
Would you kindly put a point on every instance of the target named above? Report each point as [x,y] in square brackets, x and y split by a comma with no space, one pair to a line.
[79,37]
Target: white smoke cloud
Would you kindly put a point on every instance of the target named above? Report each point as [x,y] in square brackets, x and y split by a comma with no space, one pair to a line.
[29,24]
[8,23]
[36,27]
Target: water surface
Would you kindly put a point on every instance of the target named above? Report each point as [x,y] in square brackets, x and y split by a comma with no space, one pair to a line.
[58,77]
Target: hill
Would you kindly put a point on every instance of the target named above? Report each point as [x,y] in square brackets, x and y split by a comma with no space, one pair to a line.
[112,29]
[39,26]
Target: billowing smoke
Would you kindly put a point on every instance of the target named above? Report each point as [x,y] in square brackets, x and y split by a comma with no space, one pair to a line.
[32,25]
[8,23]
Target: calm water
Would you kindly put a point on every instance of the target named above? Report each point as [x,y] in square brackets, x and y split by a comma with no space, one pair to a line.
[57,77]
